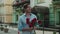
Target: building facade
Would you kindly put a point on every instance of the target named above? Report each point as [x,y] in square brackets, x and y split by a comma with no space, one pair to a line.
[54,10]
[6,11]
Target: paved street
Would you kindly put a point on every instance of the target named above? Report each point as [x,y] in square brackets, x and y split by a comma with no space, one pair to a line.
[37,32]
[45,32]
[15,31]
[10,32]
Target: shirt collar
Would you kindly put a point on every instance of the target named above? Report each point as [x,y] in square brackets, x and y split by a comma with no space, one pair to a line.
[25,14]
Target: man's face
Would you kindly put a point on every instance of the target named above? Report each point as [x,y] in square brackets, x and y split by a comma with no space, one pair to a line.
[28,9]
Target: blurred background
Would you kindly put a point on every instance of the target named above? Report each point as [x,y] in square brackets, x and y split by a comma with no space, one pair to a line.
[48,11]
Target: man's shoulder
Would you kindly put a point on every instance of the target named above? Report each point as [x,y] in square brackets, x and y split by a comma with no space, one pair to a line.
[33,14]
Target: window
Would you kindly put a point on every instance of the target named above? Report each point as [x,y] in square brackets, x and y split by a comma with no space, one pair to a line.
[59,18]
[40,1]
[16,17]
[1,18]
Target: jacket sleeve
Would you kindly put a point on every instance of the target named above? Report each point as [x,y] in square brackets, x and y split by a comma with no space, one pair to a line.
[20,26]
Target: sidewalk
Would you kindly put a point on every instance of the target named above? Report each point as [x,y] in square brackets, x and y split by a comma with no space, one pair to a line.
[37,31]
[16,29]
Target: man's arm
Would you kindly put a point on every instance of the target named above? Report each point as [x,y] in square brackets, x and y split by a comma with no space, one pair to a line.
[27,29]
[20,26]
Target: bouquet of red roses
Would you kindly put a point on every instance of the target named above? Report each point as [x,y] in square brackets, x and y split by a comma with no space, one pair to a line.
[34,20]
[32,23]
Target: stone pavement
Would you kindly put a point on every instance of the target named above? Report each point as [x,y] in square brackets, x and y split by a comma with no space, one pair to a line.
[9,32]
[15,31]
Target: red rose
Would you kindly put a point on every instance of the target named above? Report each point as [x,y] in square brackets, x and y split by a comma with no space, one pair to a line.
[30,25]
[27,21]
[34,20]
[39,22]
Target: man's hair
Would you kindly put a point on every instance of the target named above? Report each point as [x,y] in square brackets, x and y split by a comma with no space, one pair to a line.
[26,6]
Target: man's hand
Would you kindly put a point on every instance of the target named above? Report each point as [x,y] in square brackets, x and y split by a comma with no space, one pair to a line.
[35,28]
[27,29]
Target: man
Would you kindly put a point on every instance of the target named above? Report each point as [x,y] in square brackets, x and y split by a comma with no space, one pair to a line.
[23,27]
